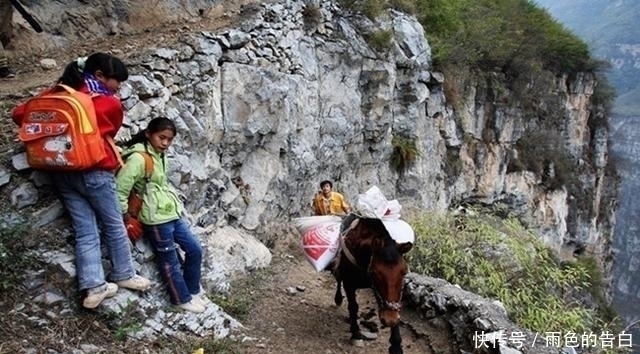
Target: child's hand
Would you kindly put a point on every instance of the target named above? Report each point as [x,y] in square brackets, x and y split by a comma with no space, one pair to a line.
[134,228]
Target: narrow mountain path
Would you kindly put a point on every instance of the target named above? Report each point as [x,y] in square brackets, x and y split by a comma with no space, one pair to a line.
[293,312]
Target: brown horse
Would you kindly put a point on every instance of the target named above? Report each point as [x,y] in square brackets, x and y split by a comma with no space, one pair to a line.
[370,258]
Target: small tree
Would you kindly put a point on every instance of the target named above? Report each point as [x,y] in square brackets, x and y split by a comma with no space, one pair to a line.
[404,155]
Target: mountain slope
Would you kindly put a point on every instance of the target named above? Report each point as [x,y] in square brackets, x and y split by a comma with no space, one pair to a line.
[612,31]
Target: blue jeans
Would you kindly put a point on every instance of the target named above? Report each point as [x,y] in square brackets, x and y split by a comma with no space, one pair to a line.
[90,197]
[183,281]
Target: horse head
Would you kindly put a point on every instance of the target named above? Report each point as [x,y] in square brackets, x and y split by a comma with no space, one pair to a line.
[387,269]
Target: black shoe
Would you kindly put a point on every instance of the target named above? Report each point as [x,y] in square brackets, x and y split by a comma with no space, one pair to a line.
[5,72]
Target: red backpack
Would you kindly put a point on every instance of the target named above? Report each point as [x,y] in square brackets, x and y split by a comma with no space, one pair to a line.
[60,131]
[134,202]
[135,198]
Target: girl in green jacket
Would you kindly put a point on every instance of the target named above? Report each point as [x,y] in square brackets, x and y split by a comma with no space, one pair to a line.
[161,213]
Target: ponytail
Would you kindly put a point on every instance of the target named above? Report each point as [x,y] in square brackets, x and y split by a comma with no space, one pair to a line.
[110,66]
[139,137]
[72,75]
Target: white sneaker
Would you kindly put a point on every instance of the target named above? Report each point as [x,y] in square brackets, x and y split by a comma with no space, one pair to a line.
[193,306]
[199,299]
[94,297]
[136,282]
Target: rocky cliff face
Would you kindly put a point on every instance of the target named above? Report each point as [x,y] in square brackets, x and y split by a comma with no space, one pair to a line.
[276,105]
[269,107]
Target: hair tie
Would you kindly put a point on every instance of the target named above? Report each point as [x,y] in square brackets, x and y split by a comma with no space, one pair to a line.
[80,62]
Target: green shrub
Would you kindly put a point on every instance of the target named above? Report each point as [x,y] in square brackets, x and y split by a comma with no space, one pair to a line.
[240,300]
[373,8]
[237,305]
[514,38]
[380,40]
[543,153]
[219,346]
[500,259]
[406,6]
[405,152]
[126,322]
[604,95]
[490,34]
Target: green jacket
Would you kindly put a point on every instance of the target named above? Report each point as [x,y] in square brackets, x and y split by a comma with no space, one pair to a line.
[160,203]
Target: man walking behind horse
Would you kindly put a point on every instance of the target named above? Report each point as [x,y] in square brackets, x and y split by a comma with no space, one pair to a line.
[328,202]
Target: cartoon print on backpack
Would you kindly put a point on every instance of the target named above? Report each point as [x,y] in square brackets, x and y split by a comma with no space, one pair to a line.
[59,145]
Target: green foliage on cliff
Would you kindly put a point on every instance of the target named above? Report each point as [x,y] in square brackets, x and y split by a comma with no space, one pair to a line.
[405,152]
[500,259]
[490,34]
[380,40]
[542,152]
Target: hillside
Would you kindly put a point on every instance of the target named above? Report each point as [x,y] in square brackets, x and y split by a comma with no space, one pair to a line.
[611,29]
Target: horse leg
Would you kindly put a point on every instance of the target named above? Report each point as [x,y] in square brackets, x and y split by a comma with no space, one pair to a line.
[395,340]
[356,336]
[337,298]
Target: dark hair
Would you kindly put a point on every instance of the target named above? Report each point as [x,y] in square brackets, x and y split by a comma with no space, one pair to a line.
[326,182]
[110,66]
[154,126]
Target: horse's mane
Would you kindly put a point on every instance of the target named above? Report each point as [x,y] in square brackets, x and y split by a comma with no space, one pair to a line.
[389,253]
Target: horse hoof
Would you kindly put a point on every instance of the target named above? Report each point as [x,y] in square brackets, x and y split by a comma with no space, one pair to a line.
[357,343]
[368,335]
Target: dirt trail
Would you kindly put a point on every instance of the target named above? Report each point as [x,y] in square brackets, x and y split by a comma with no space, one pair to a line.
[309,322]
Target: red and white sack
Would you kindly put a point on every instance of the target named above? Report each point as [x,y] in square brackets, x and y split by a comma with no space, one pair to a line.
[305,223]
[319,239]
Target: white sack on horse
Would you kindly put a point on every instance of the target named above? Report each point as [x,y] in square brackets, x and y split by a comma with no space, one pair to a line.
[399,230]
[319,238]
[373,204]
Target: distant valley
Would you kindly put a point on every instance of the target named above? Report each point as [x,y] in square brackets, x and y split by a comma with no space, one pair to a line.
[612,31]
